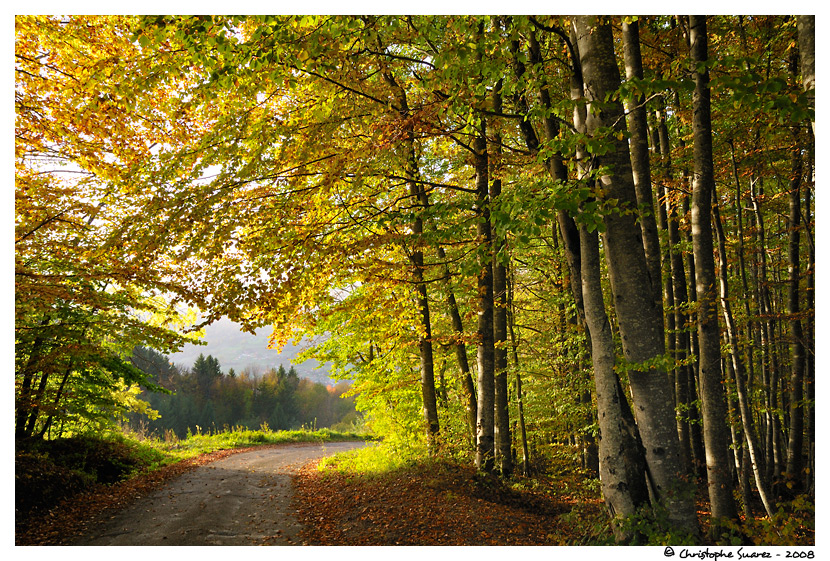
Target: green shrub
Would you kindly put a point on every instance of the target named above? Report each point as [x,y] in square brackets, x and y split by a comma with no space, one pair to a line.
[793,523]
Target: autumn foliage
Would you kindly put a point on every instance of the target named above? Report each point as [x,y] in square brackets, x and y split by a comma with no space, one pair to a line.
[505,232]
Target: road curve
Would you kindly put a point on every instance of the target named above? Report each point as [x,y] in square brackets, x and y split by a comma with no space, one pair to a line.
[244,499]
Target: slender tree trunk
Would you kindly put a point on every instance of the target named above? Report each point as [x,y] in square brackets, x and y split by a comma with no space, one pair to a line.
[795,443]
[25,401]
[519,393]
[485,420]
[693,348]
[736,444]
[711,377]
[430,405]
[622,466]
[641,169]
[57,399]
[467,386]
[695,422]
[503,441]
[768,361]
[567,226]
[809,332]
[738,366]
[690,331]
[679,295]
[640,321]
[556,168]
[751,327]
[671,324]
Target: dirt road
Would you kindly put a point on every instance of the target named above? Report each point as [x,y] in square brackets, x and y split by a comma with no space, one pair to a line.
[244,499]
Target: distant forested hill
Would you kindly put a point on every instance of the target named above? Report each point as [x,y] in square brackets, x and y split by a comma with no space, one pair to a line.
[239,350]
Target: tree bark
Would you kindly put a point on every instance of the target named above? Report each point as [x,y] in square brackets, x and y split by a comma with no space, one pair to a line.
[679,296]
[519,393]
[640,321]
[641,169]
[768,367]
[621,479]
[25,401]
[795,443]
[430,405]
[738,368]
[807,50]
[503,441]
[692,348]
[485,419]
[467,386]
[711,378]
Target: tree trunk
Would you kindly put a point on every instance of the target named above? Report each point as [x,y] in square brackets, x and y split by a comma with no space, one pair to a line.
[768,366]
[711,378]
[519,394]
[695,430]
[620,478]
[807,51]
[676,374]
[679,295]
[467,386]
[690,333]
[430,405]
[503,441]
[485,418]
[622,466]
[738,367]
[810,332]
[25,401]
[795,443]
[640,321]
[641,169]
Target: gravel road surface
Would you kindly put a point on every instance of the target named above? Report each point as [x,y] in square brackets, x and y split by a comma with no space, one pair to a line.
[244,499]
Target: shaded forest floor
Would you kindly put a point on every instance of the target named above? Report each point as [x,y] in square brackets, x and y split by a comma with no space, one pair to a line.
[439,503]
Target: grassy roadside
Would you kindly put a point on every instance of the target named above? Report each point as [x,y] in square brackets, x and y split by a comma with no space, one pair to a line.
[195,445]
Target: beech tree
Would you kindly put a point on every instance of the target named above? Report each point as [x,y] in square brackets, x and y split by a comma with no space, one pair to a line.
[711,376]
[640,322]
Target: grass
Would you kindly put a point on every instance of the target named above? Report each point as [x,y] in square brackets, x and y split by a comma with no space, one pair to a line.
[373,460]
[197,444]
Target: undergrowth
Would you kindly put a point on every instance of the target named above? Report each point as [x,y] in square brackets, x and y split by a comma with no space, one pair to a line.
[372,460]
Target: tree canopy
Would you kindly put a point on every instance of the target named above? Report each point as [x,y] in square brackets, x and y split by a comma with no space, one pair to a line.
[456,208]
